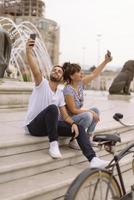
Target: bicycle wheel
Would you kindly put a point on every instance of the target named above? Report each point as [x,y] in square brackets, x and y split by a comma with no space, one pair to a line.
[94,184]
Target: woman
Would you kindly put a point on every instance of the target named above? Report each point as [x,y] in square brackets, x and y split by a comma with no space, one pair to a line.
[73,93]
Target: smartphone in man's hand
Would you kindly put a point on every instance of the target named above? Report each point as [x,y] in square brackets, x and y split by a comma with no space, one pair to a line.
[33,37]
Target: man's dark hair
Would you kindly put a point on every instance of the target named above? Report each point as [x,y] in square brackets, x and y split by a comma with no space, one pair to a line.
[58,66]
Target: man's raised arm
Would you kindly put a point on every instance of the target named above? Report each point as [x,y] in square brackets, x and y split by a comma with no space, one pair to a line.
[33,62]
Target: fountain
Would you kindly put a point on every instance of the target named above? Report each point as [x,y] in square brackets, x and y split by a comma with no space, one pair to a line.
[19,86]
[19,35]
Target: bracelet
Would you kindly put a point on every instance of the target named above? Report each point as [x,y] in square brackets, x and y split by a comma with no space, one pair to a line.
[73,123]
[66,117]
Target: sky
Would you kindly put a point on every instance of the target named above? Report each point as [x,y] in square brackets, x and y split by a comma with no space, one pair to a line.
[89,27]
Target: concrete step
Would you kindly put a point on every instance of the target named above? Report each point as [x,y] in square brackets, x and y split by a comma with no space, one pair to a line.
[27,164]
[25,143]
[49,186]
[30,163]
[21,142]
[27,172]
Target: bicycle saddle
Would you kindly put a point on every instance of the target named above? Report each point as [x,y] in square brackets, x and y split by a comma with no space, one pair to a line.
[107,138]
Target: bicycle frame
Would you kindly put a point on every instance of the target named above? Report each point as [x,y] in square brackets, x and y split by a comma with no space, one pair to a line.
[115,163]
[115,187]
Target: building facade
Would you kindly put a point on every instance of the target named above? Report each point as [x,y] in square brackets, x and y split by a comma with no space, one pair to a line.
[34,11]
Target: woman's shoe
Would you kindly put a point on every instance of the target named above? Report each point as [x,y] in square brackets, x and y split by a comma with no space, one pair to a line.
[74,144]
[90,137]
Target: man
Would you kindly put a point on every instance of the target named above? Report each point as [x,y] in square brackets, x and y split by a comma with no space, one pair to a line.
[45,104]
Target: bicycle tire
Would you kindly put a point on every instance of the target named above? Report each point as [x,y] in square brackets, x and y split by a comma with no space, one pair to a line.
[78,190]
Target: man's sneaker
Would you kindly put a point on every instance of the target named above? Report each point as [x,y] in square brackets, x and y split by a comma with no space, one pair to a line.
[54,150]
[98,163]
[74,144]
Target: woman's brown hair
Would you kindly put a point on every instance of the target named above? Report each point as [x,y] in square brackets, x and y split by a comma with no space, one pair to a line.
[69,69]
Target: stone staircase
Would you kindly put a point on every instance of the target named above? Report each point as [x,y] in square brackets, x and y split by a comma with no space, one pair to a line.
[27,172]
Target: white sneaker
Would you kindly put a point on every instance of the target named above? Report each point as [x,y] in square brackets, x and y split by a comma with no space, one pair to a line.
[54,150]
[74,144]
[98,163]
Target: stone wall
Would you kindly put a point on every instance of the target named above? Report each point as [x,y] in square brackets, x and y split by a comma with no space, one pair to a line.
[14,94]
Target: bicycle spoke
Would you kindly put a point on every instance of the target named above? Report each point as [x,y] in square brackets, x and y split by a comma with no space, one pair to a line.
[98,185]
[98,188]
[95,188]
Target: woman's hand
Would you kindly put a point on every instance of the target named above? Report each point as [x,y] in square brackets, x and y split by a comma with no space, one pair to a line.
[95,116]
[87,78]
[75,130]
[108,57]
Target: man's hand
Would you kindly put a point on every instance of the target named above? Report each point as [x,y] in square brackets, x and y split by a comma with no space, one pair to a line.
[33,62]
[75,130]
[29,45]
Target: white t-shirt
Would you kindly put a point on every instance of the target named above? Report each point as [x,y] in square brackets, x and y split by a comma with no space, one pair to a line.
[42,96]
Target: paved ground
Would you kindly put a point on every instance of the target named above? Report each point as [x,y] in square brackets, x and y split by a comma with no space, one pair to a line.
[108,105]
[11,120]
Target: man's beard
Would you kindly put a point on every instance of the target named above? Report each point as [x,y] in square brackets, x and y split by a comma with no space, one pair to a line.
[56,80]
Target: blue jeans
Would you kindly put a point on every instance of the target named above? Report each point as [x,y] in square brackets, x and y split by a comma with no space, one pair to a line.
[86,120]
[46,124]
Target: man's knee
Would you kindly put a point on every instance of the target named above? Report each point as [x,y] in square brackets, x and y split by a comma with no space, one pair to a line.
[53,109]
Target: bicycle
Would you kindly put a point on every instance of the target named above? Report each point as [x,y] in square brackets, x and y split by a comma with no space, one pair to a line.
[101,184]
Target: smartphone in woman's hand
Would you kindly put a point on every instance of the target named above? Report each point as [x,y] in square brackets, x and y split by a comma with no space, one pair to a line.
[108,53]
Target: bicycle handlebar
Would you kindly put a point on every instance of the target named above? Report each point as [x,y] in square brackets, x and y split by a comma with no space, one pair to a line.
[118,116]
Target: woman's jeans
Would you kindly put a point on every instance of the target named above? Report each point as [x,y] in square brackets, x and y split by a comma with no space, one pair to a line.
[86,120]
[46,124]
